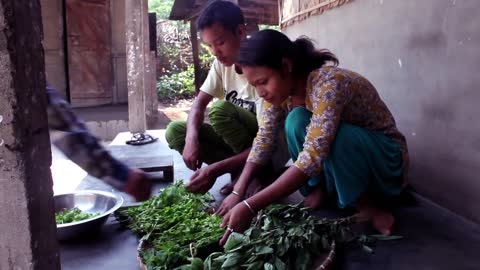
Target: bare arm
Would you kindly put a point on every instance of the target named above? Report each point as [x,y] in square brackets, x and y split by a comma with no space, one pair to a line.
[191,153]
[238,219]
[231,164]
[290,181]
[249,172]
[204,178]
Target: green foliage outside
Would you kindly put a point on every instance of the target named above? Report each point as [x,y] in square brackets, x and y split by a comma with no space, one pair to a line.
[175,59]
[176,85]
[161,7]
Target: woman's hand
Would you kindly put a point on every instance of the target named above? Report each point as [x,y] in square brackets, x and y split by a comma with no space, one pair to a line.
[236,220]
[228,203]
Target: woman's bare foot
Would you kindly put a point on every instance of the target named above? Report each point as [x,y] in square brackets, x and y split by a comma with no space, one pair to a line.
[315,199]
[382,220]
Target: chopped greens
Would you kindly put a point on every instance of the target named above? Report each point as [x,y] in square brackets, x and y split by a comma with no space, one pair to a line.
[72,215]
[175,225]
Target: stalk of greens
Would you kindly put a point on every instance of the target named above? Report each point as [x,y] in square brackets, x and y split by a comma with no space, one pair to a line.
[175,226]
[181,235]
[283,237]
[72,215]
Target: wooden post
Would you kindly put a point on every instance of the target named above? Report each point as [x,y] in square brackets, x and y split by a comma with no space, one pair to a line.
[27,220]
[137,52]
[153,62]
[148,88]
[153,81]
[195,52]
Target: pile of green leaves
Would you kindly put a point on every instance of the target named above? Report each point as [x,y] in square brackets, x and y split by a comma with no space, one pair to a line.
[72,215]
[181,235]
[174,226]
[177,85]
[283,237]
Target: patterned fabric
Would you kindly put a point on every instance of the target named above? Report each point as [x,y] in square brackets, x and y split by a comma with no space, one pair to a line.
[79,145]
[332,95]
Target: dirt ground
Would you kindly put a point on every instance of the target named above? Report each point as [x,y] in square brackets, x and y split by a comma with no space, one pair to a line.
[171,111]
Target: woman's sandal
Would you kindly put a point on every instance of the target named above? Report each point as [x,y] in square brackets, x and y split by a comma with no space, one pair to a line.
[141,139]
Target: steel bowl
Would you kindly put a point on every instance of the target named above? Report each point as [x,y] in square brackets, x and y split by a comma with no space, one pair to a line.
[90,201]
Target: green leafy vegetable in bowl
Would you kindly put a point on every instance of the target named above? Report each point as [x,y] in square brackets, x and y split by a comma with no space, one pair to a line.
[72,215]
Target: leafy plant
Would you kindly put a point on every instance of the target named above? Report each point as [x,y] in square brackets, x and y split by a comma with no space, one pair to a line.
[161,7]
[181,235]
[177,85]
[175,225]
[73,215]
[283,237]
[206,57]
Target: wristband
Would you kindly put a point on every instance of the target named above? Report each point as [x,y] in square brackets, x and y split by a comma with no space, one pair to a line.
[249,207]
[236,193]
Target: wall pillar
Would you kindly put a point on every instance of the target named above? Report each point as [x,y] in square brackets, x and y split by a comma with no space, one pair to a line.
[137,62]
[27,223]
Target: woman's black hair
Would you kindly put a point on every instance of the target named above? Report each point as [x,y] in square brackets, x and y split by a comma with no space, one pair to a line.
[268,47]
[224,13]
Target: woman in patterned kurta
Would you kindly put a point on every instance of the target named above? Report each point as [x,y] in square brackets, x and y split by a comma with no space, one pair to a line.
[340,134]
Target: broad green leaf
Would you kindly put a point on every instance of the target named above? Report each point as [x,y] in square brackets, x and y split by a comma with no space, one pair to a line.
[262,250]
[268,266]
[234,240]
[255,266]
[231,260]
[279,264]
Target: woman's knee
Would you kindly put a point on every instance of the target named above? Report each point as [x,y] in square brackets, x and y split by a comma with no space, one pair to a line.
[347,139]
[296,123]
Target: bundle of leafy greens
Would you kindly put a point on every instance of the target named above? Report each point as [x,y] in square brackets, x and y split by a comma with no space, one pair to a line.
[72,215]
[174,225]
[181,235]
[282,237]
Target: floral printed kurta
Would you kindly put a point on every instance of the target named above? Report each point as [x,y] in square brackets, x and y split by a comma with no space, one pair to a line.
[332,95]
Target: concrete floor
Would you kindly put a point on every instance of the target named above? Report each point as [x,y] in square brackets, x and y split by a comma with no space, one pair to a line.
[434,238]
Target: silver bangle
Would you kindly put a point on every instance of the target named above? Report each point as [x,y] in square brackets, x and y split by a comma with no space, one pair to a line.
[236,193]
[249,207]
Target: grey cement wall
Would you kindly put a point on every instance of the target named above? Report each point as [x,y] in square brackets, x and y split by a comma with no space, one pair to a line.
[423,57]
[27,223]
